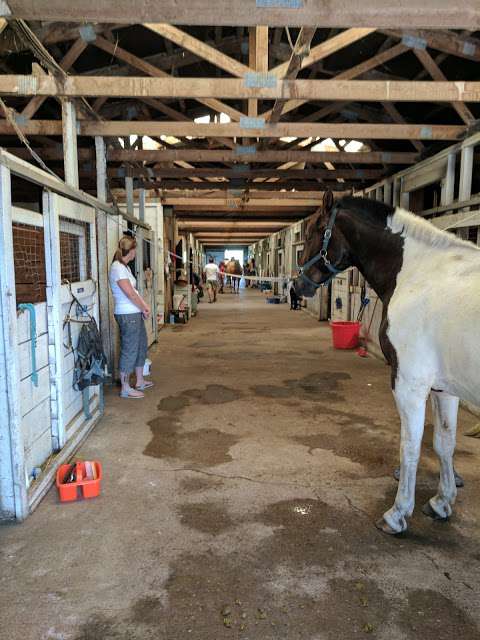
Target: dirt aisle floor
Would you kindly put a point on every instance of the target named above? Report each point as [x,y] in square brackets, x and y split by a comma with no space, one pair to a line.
[239,502]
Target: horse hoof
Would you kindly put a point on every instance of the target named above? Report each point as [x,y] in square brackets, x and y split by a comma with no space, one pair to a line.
[429,511]
[459,481]
[386,528]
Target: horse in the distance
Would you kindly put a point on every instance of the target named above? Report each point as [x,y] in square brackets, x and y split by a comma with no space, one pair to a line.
[233,268]
[424,277]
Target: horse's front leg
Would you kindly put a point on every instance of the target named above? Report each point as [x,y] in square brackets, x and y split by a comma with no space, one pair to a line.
[411,403]
[445,412]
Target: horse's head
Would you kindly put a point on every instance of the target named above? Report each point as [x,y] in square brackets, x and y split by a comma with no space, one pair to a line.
[325,251]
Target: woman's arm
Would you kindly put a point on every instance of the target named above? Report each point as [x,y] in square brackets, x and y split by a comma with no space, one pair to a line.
[126,286]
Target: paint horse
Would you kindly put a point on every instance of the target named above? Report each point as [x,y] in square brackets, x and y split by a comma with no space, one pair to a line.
[429,283]
[233,268]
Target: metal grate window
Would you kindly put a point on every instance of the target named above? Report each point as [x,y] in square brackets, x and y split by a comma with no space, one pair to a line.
[75,253]
[29,259]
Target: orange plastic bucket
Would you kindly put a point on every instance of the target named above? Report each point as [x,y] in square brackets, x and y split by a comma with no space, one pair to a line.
[83,486]
[345,334]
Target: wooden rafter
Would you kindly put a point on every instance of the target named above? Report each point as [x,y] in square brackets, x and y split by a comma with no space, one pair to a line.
[233,130]
[150,70]
[445,41]
[301,50]
[258,58]
[75,51]
[434,14]
[233,88]
[228,156]
[437,74]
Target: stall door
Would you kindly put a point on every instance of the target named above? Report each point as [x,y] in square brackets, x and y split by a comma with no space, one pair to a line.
[72,298]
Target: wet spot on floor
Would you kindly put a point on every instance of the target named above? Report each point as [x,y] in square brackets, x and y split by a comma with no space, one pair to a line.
[205,447]
[99,627]
[207,517]
[431,615]
[358,438]
[323,384]
[173,403]
[214,394]
[147,610]
[199,484]
[271,391]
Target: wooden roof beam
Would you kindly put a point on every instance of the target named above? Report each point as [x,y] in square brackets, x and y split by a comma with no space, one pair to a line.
[235,88]
[409,14]
[217,130]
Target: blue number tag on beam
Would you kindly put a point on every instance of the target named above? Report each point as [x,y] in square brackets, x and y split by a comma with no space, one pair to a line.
[426,133]
[414,42]
[245,150]
[469,48]
[87,33]
[252,123]
[255,80]
[279,4]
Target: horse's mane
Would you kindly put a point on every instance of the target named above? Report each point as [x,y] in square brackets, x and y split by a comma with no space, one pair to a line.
[405,223]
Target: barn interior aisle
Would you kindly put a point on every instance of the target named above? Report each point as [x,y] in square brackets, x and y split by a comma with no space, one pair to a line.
[246,487]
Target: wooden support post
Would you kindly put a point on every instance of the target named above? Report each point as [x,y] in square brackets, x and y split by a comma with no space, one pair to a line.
[387,192]
[466,170]
[54,316]
[139,262]
[70,155]
[396,192]
[101,163]
[141,205]
[404,197]
[105,296]
[129,194]
[448,189]
[13,490]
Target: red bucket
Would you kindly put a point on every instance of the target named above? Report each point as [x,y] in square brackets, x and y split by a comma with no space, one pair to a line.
[345,334]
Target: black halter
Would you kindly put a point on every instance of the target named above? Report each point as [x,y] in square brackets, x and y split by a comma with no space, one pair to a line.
[322,256]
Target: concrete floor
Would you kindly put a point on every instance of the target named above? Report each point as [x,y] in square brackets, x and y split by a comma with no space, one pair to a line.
[239,501]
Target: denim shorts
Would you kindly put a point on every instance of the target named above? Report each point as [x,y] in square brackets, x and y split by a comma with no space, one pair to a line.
[133,341]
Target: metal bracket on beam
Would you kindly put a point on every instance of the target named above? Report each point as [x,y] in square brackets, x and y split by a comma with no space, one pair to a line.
[87,33]
[254,80]
[413,42]
[279,4]
[426,133]
[20,119]
[27,85]
[386,157]
[469,48]
[245,150]
[252,123]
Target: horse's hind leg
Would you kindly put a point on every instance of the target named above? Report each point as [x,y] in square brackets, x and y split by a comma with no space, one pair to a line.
[411,404]
[445,412]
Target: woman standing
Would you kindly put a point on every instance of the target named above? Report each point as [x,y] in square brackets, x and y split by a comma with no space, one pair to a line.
[130,312]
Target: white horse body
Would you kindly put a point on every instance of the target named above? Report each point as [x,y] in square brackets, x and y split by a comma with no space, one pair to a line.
[433,316]
[435,309]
